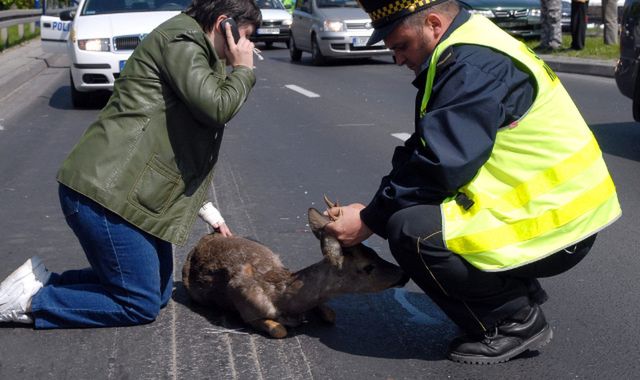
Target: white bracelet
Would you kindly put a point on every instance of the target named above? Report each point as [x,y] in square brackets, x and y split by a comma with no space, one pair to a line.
[211,215]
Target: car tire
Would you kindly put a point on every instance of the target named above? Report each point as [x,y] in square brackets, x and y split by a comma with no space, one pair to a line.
[316,55]
[636,101]
[78,99]
[294,52]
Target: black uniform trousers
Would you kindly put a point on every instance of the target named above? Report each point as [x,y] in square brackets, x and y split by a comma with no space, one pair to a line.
[578,24]
[475,300]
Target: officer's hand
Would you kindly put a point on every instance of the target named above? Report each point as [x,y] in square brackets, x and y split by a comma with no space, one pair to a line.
[347,226]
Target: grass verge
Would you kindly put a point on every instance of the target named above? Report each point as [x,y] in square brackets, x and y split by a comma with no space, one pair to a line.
[594,47]
[14,38]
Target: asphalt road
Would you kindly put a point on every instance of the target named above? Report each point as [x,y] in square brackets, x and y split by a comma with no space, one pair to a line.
[332,134]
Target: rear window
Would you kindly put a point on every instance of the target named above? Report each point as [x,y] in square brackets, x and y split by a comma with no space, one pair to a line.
[100,7]
[337,3]
[269,4]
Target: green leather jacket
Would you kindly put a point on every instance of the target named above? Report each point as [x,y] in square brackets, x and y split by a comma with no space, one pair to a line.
[150,155]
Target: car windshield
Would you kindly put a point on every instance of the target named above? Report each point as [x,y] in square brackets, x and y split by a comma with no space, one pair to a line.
[337,4]
[99,7]
[269,4]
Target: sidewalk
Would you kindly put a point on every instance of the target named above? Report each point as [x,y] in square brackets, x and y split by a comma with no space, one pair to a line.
[20,63]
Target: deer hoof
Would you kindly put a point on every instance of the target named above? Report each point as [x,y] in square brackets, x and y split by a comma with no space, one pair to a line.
[275,329]
[327,314]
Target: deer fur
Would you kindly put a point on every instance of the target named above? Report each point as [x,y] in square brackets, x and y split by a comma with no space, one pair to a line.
[241,275]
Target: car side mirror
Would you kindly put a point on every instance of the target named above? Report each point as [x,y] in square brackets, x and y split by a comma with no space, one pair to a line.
[67,15]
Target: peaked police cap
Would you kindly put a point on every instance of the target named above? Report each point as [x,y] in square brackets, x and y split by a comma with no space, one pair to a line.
[387,14]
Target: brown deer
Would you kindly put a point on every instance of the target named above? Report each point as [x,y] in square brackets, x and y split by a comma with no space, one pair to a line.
[234,273]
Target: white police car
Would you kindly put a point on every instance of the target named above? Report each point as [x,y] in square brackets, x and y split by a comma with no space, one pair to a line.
[99,36]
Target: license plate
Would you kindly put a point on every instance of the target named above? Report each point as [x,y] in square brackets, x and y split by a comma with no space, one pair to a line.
[511,24]
[362,41]
[268,31]
[122,64]
[359,41]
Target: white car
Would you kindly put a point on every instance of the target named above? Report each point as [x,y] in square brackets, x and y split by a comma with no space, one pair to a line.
[275,25]
[332,29]
[99,37]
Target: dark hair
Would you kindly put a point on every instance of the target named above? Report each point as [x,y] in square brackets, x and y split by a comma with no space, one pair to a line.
[206,12]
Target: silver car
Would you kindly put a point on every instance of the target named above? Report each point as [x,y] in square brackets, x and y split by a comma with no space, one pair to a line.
[332,29]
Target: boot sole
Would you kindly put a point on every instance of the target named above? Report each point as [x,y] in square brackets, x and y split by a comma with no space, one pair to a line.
[537,341]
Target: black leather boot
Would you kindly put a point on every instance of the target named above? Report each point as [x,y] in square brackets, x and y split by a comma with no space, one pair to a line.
[525,330]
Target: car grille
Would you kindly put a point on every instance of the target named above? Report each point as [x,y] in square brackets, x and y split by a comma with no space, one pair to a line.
[510,13]
[271,23]
[126,42]
[358,25]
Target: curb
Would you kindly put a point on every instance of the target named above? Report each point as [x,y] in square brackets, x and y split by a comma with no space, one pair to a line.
[596,67]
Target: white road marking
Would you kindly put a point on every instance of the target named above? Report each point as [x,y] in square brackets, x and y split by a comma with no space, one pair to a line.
[401,136]
[416,315]
[302,91]
[356,125]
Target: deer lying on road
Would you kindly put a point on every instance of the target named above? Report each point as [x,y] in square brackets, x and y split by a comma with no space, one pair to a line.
[234,273]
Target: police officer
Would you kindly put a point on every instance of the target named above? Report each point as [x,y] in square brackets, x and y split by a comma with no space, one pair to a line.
[500,184]
[288,5]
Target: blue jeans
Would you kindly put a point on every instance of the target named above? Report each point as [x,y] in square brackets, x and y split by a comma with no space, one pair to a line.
[129,281]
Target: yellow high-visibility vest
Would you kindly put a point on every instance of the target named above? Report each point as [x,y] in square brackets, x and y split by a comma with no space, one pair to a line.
[545,186]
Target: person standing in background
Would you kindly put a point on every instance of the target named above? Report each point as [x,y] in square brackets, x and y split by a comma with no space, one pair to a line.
[610,20]
[578,23]
[551,14]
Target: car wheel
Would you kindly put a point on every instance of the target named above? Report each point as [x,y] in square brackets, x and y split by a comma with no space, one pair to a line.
[636,101]
[316,55]
[78,99]
[293,50]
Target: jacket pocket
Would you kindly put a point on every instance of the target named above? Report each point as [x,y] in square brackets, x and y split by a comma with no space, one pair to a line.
[156,187]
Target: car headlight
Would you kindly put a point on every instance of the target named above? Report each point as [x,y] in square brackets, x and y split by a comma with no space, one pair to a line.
[94,44]
[287,22]
[534,12]
[333,26]
[483,12]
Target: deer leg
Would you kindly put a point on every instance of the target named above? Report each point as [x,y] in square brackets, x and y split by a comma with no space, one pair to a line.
[271,327]
[326,313]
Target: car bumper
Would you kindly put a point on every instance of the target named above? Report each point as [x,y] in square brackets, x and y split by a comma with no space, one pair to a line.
[349,45]
[520,28]
[283,36]
[93,71]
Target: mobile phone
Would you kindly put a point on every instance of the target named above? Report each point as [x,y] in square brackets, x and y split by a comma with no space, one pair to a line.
[234,28]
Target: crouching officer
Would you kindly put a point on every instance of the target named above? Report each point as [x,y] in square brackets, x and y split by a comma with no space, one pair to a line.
[501,183]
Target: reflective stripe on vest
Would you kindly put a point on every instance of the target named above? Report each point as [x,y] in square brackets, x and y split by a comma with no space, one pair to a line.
[545,186]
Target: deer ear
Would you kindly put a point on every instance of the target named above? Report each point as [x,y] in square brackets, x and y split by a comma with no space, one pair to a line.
[332,250]
[317,221]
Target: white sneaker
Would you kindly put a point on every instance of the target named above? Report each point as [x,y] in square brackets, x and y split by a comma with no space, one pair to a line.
[19,287]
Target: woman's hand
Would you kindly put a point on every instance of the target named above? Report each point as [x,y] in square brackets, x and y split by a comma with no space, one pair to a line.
[240,54]
[212,216]
[223,229]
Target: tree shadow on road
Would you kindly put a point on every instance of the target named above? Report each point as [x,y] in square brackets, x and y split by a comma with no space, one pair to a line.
[393,324]
[382,325]
[215,316]
[619,139]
